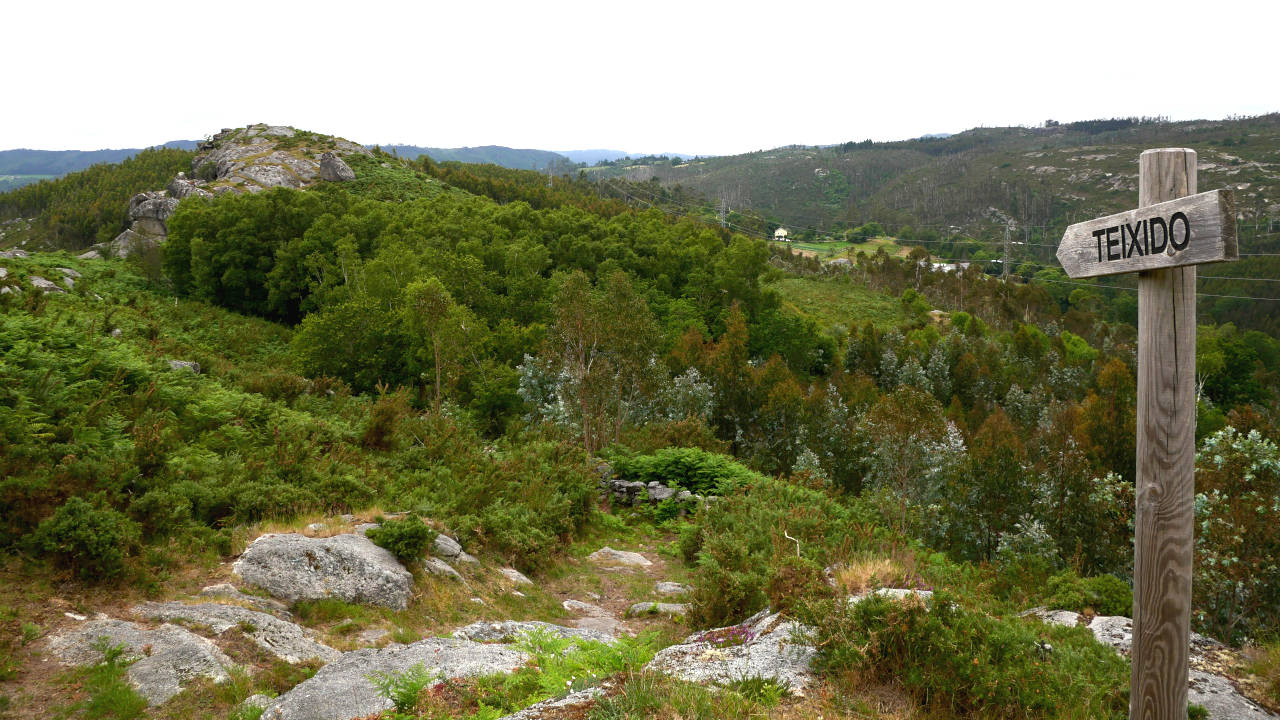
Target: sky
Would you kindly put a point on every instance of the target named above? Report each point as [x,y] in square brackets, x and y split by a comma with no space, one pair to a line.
[654,76]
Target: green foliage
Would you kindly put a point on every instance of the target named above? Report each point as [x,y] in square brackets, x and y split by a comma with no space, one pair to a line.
[559,665]
[1103,594]
[652,695]
[404,688]
[961,662]
[407,538]
[519,501]
[1237,580]
[91,541]
[1266,665]
[740,549]
[766,692]
[92,205]
[692,469]
[110,695]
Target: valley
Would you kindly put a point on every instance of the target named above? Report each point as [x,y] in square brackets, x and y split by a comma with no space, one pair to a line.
[296,428]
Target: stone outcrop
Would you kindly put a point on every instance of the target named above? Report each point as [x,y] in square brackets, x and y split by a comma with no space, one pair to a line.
[182,187]
[348,567]
[255,158]
[593,617]
[1204,686]
[515,576]
[510,630]
[228,592]
[657,608]
[573,705]
[436,566]
[249,159]
[287,641]
[671,588]
[762,646]
[610,559]
[44,285]
[333,169]
[164,658]
[342,689]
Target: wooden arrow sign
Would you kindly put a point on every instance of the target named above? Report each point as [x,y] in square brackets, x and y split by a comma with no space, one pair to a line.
[1188,231]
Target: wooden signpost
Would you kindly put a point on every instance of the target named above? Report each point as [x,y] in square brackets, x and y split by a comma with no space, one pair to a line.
[1171,232]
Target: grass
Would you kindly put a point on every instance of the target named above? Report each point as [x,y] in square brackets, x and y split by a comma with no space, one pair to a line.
[842,248]
[1266,666]
[840,301]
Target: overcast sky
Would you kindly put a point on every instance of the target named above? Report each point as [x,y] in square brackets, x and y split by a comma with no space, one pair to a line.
[651,76]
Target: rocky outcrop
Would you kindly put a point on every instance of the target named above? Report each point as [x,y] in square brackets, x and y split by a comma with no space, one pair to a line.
[287,641]
[258,157]
[44,285]
[342,689]
[348,567]
[1205,687]
[163,659]
[227,592]
[671,588]
[333,169]
[250,159]
[182,187]
[593,617]
[573,705]
[763,646]
[511,630]
[611,559]
[515,576]
[436,566]
[150,212]
[656,608]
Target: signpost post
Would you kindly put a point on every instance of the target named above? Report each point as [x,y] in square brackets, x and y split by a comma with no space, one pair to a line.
[1171,232]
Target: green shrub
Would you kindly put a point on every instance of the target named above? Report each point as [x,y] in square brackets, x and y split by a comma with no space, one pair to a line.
[93,542]
[1104,594]
[692,469]
[407,538]
[961,663]
[742,554]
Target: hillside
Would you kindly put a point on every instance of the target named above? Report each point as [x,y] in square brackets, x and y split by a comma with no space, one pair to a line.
[23,167]
[364,437]
[1042,177]
[491,154]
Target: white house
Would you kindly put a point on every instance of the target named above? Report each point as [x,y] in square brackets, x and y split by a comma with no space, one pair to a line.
[781,235]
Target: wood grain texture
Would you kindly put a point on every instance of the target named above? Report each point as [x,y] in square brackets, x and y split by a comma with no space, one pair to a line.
[1210,226]
[1166,461]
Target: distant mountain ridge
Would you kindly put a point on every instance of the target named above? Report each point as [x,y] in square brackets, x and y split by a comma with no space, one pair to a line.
[24,161]
[516,159]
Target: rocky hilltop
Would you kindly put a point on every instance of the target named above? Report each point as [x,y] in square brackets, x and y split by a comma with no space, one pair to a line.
[237,160]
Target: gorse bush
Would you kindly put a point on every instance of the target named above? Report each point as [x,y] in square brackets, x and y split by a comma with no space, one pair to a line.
[91,541]
[742,555]
[1104,594]
[966,663]
[518,498]
[692,469]
[407,538]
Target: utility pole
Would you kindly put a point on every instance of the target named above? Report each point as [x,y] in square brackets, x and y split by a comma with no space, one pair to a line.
[1004,264]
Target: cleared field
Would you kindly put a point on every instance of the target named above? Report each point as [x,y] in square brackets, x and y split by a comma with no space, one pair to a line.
[830,301]
[828,250]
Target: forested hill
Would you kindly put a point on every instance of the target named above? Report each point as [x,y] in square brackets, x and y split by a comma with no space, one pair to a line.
[61,162]
[491,154]
[1042,177]
[480,347]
